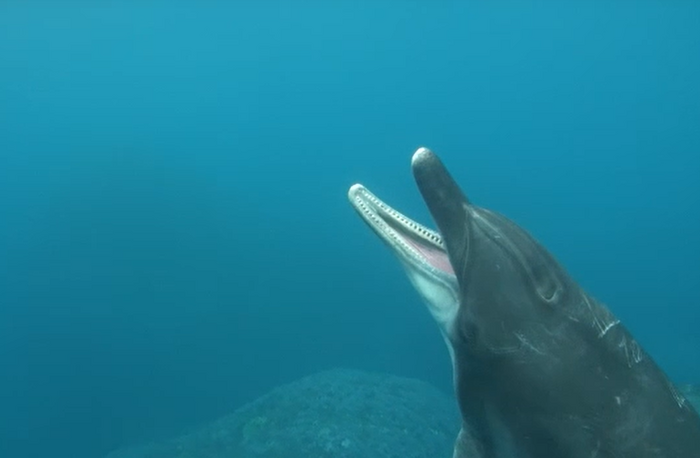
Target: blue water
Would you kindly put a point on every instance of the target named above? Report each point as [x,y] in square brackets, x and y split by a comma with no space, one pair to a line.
[174,233]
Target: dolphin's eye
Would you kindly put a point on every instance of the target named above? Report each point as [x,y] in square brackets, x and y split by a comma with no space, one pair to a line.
[547,286]
[548,294]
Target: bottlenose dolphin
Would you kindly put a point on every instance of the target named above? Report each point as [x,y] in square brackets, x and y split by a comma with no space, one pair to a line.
[541,368]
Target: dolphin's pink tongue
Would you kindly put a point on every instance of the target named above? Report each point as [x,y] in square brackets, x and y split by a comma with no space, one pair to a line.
[434,257]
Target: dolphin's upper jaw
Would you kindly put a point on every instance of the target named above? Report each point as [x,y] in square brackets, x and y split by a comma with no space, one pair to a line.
[420,250]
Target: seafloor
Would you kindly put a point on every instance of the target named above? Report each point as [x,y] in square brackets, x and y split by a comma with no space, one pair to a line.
[332,414]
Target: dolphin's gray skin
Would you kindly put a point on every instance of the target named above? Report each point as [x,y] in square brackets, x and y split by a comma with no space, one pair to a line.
[541,369]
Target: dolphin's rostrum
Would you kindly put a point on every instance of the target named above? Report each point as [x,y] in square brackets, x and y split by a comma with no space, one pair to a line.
[541,368]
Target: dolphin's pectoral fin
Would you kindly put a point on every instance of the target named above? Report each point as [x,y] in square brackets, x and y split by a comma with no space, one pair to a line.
[465,445]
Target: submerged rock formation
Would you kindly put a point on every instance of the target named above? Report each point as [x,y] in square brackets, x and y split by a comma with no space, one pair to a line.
[333,414]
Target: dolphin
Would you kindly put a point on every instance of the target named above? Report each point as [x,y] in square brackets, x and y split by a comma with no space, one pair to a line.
[541,368]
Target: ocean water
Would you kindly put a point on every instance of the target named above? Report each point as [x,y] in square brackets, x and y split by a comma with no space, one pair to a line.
[175,237]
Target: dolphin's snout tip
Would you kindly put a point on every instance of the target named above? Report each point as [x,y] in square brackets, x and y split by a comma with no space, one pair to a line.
[354,190]
[421,155]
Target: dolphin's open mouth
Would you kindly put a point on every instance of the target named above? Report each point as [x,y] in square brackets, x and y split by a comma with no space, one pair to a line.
[411,241]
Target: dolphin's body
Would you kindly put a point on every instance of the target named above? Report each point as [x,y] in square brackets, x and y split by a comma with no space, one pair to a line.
[541,369]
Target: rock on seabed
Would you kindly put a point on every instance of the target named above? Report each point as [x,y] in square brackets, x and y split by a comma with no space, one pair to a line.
[333,414]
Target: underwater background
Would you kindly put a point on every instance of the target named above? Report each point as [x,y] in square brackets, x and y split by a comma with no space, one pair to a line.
[175,237]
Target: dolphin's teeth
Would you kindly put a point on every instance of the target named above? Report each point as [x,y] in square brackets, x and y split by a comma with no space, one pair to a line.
[394,227]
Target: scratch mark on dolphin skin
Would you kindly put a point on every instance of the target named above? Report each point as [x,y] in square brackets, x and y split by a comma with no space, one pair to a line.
[527,343]
[680,400]
[633,352]
[608,327]
[603,320]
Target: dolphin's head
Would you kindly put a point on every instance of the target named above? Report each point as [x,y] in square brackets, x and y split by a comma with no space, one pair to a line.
[509,285]
[540,367]
[482,277]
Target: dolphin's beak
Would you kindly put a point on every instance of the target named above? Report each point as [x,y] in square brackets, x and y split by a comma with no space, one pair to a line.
[446,202]
[413,243]
[420,251]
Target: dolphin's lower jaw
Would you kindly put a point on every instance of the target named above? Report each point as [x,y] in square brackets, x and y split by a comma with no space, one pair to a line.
[420,251]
